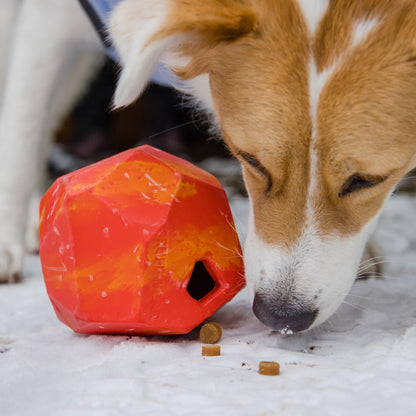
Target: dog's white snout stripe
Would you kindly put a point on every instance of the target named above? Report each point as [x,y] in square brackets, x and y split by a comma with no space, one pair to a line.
[317,271]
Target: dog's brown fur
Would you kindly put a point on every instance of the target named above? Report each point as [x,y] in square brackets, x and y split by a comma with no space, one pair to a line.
[264,46]
[316,99]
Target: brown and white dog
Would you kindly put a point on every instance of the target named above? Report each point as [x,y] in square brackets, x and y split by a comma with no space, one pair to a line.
[317,100]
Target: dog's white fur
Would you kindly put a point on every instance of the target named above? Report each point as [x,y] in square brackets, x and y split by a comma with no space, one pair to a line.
[304,271]
[139,57]
[49,47]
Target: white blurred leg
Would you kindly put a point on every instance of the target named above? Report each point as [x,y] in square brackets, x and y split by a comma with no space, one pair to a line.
[48,39]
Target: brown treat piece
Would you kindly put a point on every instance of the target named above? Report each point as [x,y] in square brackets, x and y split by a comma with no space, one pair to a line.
[210,333]
[211,350]
[269,368]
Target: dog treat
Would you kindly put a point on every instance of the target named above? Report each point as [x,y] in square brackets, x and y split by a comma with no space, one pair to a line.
[211,350]
[269,368]
[210,333]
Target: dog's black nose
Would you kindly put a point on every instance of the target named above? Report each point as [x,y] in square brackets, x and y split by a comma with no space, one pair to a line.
[283,318]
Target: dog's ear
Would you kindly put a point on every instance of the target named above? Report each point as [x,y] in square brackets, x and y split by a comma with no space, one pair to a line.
[143,31]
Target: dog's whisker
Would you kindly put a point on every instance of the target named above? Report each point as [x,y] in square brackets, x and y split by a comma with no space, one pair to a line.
[237,254]
[369,264]
[229,222]
[375,258]
[359,297]
[330,322]
[356,306]
[374,276]
[178,126]
[368,272]
[237,219]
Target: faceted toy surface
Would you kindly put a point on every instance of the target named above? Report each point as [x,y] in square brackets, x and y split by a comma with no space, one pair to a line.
[142,242]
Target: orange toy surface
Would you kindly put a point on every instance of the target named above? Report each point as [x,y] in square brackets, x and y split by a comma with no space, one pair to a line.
[142,242]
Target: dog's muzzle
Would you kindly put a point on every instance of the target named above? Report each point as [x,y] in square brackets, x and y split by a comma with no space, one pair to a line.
[283,317]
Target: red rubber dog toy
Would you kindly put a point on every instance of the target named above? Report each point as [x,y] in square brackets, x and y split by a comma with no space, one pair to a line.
[142,242]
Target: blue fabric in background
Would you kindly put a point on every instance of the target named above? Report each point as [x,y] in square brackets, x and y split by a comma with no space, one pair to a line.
[99,12]
[103,8]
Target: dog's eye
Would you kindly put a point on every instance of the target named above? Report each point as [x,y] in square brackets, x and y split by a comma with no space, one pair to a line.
[358,181]
[258,167]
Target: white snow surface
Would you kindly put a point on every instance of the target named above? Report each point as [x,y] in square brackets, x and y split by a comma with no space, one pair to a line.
[361,362]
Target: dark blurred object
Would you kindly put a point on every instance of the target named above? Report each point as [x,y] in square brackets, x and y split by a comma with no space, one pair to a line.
[92,117]
[408,183]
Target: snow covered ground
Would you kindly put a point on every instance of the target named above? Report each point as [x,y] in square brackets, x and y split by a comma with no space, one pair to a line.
[361,362]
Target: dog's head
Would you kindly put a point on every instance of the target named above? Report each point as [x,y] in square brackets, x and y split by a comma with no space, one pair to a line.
[317,100]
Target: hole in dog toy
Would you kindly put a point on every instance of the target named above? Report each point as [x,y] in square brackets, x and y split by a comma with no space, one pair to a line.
[201,283]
